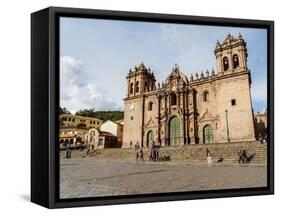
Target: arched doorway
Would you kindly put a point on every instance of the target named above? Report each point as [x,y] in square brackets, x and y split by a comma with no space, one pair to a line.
[208,134]
[174,131]
[149,138]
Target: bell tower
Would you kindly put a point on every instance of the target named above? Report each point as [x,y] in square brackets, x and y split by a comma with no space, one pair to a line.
[231,55]
[140,80]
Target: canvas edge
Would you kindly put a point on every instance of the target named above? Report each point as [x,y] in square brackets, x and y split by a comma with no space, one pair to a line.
[53,12]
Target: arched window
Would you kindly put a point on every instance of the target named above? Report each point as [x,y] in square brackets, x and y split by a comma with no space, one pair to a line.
[225,64]
[61,142]
[131,88]
[150,105]
[173,99]
[145,86]
[137,86]
[206,96]
[235,61]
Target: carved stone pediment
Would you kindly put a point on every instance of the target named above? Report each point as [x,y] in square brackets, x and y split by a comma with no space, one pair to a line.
[207,116]
[150,124]
[176,77]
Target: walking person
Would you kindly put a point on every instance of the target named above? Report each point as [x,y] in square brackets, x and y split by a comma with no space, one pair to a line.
[209,157]
[141,155]
[244,156]
[240,154]
[137,145]
[66,152]
[137,155]
[69,151]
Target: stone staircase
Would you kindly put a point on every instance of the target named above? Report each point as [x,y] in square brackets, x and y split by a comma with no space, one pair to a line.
[227,151]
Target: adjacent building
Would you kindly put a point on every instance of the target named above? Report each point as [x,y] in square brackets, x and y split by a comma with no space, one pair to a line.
[115,128]
[73,129]
[261,124]
[206,108]
[97,139]
[80,121]
[72,136]
[79,131]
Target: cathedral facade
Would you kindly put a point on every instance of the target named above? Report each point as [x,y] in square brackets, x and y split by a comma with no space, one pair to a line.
[210,107]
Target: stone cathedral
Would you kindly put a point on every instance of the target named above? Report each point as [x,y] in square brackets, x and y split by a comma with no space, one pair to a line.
[210,107]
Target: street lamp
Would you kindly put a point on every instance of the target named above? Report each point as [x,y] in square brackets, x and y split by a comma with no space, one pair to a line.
[227,128]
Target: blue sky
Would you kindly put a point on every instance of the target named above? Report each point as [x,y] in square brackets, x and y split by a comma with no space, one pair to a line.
[96,56]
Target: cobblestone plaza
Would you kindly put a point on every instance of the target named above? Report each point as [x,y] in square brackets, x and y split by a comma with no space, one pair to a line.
[90,177]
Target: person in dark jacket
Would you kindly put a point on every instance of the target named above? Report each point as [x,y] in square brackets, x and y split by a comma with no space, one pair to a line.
[141,155]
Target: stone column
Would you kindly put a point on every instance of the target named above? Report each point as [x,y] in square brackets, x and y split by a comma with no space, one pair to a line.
[129,87]
[219,63]
[242,58]
[159,118]
[186,113]
[230,63]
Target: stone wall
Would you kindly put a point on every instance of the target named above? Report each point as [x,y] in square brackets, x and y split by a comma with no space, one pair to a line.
[227,151]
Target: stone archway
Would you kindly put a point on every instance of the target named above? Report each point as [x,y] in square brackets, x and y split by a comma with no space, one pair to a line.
[208,135]
[174,131]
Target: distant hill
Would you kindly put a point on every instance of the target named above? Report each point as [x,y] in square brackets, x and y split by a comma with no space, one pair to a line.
[109,115]
[102,115]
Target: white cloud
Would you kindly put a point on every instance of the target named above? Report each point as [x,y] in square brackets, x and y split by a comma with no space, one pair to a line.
[77,94]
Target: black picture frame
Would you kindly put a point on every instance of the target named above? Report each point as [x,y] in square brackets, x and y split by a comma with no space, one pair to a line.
[45,103]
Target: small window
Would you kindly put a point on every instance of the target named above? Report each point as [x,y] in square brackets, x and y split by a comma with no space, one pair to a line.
[69,119]
[90,122]
[233,102]
[132,118]
[173,99]
[73,120]
[94,122]
[206,96]
[150,105]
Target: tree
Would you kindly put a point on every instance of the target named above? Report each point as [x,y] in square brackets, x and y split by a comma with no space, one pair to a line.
[86,112]
[64,110]
[102,115]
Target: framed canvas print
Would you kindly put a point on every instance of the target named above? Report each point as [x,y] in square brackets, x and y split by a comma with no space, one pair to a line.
[138,107]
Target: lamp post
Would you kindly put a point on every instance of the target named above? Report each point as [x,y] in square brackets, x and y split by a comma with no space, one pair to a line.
[227,128]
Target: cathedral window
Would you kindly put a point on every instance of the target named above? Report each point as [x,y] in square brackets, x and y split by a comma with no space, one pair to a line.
[206,96]
[150,105]
[235,61]
[131,88]
[137,86]
[173,99]
[225,64]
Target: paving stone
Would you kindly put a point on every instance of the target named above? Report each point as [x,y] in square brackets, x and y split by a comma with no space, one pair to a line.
[91,177]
